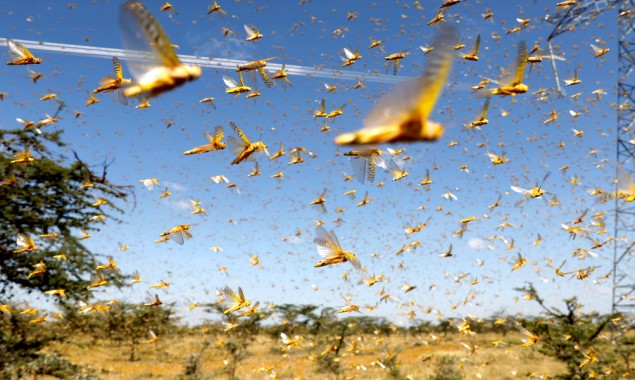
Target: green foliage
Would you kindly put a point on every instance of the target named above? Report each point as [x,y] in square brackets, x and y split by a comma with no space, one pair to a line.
[624,352]
[445,368]
[19,341]
[244,332]
[48,198]
[311,320]
[420,327]
[122,323]
[302,318]
[573,337]
[389,360]
[55,365]
[131,323]
[20,344]
[330,362]
[329,333]
[193,362]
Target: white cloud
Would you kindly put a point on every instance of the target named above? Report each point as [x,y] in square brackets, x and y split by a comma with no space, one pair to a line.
[230,46]
[477,244]
[174,186]
[182,204]
[294,239]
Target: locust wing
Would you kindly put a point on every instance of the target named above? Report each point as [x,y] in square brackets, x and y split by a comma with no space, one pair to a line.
[145,41]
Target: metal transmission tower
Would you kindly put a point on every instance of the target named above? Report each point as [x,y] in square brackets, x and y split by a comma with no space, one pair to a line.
[583,12]
[623,294]
[623,259]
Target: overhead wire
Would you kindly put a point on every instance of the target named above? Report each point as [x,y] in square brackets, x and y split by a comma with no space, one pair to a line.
[208,62]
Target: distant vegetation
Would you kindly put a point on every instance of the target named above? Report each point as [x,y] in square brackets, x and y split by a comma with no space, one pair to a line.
[580,341]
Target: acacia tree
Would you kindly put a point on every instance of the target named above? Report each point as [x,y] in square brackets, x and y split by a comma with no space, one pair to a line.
[573,337]
[51,194]
[41,193]
[236,340]
[130,323]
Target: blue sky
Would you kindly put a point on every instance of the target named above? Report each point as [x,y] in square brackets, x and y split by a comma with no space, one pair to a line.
[268,210]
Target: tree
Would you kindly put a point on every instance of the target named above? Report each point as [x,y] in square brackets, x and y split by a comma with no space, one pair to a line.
[239,334]
[43,193]
[446,369]
[50,195]
[131,323]
[572,337]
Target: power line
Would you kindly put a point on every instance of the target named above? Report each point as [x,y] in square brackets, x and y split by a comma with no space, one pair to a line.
[217,63]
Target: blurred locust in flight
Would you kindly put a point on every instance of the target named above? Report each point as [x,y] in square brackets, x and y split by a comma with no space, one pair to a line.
[178,234]
[473,55]
[243,148]
[366,161]
[482,120]
[215,143]
[350,57]
[396,58]
[282,75]
[625,185]
[534,192]
[319,201]
[402,116]
[331,252]
[20,55]
[108,83]
[161,69]
[514,84]
[259,66]
[233,87]
[238,301]
[253,33]
[25,243]
[215,7]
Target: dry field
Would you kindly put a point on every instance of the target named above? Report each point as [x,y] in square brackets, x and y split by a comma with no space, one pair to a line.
[167,358]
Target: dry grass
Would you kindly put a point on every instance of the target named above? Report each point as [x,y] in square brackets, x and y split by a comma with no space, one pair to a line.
[167,358]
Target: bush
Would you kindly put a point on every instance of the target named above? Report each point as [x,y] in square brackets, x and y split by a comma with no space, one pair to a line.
[573,337]
[445,369]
